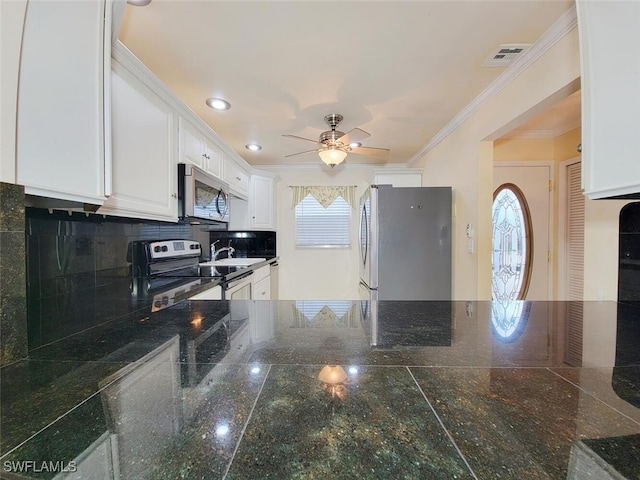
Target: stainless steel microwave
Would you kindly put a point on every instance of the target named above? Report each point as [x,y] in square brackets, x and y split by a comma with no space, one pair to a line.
[201,197]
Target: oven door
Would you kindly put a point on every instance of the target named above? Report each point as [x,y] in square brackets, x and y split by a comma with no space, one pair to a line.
[238,290]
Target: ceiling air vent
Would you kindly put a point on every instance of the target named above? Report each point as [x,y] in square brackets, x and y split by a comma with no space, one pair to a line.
[505,54]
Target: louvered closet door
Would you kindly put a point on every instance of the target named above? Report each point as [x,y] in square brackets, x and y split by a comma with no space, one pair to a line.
[575,234]
[575,264]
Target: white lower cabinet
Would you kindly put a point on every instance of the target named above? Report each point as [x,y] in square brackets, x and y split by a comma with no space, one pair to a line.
[261,321]
[144,131]
[261,324]
[262,289]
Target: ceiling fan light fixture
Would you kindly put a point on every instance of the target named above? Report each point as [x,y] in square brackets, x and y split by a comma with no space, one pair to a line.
[332,156]
[218,104]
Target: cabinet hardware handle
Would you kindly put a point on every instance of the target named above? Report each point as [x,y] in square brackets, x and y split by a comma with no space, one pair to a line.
[238,178]
[174,195]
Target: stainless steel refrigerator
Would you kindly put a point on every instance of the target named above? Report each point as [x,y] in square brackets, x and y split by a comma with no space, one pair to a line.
[405,243]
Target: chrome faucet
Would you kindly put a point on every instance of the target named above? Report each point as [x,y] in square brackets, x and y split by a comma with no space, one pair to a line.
[215,253]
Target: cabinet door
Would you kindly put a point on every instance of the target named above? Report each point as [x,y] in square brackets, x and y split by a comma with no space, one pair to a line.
[212,159]
[192,149]
[144,152]
[236,177]
[262,203]
[609,40]
[261,320]
[399,179]
[61,100]
[262,289]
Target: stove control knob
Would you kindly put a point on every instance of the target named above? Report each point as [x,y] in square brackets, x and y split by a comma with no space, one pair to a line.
[156,248]
[165,248]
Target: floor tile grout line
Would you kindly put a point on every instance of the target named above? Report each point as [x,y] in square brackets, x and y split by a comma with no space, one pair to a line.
[594,396]
[464,459]
[244,428]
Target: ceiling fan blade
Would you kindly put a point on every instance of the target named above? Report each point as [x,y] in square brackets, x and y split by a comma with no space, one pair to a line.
[300,153]
[377,152]
[353,135]
[302,138]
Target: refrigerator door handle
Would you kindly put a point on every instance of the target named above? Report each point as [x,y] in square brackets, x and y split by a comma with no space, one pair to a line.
[364,235]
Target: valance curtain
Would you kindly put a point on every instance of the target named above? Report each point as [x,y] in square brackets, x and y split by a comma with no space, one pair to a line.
[325,195]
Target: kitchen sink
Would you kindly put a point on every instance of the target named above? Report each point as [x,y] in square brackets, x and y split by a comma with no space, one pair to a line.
[233,262]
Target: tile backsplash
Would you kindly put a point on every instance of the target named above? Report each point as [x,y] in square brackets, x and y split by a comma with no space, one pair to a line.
[13,308]
[67,255]
[256,243]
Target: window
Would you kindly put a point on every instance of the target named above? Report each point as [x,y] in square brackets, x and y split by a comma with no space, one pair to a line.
[512,244]
[319,227]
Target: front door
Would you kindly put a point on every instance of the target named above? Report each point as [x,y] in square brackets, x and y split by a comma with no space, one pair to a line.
[534,183]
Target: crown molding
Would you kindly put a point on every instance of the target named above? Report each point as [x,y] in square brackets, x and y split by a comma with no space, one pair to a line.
[563,26]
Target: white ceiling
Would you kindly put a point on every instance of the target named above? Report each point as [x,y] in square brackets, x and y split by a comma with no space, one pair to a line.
[400,70]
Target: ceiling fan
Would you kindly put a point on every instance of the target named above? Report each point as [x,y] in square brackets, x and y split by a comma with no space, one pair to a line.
[333,145]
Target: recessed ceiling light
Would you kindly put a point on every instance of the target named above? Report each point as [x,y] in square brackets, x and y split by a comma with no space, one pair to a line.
[355,144]
[254,147]
[139,3]
[218,104]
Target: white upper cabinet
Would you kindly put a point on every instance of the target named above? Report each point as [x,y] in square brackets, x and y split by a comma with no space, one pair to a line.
[236,176]
[191,144]
[398,178]
[609,41]
[213,159]
[262,203]
[145,134]
[195,148]
[63,106]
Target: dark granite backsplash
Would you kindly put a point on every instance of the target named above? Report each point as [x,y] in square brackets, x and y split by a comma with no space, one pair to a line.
[79,255]
[13,308]
[247,243]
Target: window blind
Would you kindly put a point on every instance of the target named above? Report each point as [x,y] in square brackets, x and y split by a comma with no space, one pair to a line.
[319,227]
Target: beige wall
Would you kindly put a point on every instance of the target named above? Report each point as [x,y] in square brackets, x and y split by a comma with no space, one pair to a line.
[465,158]
[523,149]
[317,274]
[11,23]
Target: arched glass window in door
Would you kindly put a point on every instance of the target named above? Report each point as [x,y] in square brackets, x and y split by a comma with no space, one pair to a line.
[512,244]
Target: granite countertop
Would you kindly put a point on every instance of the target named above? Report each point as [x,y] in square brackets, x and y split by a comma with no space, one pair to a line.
[313,389]
[71,304]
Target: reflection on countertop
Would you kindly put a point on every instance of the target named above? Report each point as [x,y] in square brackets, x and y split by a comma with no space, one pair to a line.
[336,389]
